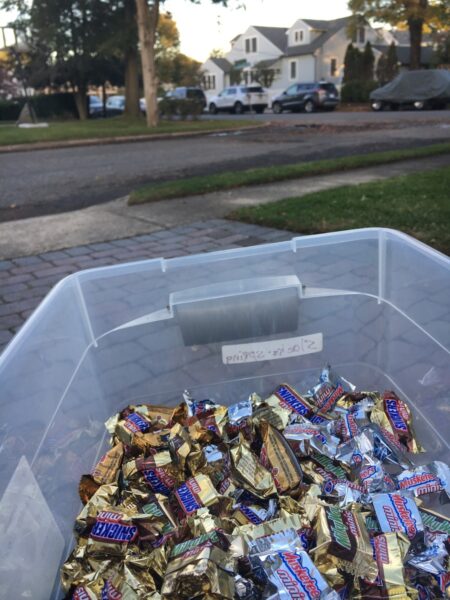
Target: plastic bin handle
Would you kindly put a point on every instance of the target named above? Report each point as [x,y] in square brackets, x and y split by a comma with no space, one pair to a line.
[235,310]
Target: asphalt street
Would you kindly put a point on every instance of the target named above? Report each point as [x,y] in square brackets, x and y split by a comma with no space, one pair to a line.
[52,181]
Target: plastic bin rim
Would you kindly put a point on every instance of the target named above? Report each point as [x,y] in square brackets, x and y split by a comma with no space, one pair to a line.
[380,233]
[293,244]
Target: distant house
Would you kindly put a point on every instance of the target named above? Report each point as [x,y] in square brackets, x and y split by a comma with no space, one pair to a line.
[401,40]
[215,72]
[309,50]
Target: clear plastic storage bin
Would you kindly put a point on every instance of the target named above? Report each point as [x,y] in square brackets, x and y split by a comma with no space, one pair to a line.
[373,302]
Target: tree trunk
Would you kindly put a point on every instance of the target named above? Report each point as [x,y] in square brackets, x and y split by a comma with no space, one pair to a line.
[131,83]
[104,99]
[418,13]
[415,35]
[131,61]
[81,102]
[147,22]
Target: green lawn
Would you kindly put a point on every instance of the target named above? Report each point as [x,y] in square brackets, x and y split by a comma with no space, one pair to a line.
[417,204]
[101,128]
[233,179]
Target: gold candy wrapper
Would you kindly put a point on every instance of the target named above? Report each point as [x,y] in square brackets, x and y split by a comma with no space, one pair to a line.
[200,570]
[342,539]
[252,532]
[195,493]
[111,534]
[286,471]
[253,475]
[390,550]
[107,468]
[203,501]
[394,416]
[181,442]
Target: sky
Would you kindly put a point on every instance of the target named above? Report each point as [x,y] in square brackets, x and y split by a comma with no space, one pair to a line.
[205,26]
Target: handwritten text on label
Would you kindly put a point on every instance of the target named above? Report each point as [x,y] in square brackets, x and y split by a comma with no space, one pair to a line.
[287,348]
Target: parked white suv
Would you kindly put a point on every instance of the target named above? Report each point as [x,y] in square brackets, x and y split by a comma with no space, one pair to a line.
[240,98]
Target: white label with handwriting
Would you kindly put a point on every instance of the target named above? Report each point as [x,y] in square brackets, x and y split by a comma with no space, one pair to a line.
[287,348]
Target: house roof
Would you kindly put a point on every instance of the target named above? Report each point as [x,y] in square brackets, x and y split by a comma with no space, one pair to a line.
[276,35]
[403,53]
[266,64]
[329,28]
[402,37]
[317,24]
[222,63]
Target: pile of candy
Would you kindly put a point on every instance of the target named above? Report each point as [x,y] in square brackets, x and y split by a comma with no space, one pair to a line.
[290,497]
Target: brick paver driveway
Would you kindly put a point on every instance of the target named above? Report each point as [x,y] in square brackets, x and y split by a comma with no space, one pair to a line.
[25,281]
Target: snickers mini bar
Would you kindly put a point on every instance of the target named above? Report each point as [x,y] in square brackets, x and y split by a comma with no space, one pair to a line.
[393,414]
[195,493]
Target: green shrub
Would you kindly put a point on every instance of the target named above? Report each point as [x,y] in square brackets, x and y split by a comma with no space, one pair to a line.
[46,106]
[60,105]
[357,91]
[184,109]
[10,109]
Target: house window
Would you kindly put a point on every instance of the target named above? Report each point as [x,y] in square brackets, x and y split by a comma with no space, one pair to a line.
[298,36]
[361,35]
[293,69]
[251,45]
[209,82]
[333,67]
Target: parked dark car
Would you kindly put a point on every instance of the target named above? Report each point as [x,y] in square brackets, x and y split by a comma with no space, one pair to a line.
[308,97]
[414,89]
[187,93]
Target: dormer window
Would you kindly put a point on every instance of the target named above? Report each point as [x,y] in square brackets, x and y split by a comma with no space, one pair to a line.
[359,35]
[299,35]
[251,45]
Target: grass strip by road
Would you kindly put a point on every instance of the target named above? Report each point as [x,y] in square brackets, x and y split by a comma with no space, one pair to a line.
[417,204]
[233,179]
[108,128]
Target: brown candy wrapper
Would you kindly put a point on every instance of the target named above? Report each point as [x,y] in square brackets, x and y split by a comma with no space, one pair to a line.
[322,469]
[286,471]
[107,468]
[87,488]
[342,539]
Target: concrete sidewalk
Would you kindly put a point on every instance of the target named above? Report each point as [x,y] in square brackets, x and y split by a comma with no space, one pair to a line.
[116,220]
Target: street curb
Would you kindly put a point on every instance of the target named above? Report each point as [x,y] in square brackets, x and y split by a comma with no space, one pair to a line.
[123,139]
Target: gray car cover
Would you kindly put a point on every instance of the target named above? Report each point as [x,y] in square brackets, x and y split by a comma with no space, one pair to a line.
[412,86]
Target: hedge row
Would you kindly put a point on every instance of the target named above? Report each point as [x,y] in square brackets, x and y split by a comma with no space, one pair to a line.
[61,105]
[183,109]
[357,91]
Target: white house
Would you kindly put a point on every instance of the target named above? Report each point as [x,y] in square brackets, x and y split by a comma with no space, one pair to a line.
[307,51]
